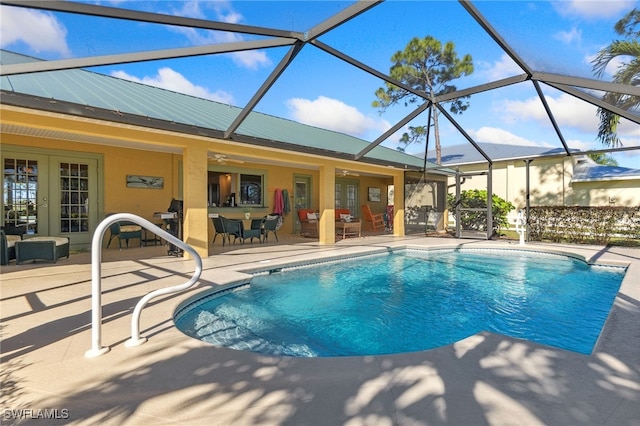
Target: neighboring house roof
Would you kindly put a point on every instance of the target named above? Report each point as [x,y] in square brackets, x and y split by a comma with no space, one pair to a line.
[134,103]
[458,155]
[587,170]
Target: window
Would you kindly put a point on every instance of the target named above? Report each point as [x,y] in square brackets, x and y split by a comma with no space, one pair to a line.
[250,189]
[233,188]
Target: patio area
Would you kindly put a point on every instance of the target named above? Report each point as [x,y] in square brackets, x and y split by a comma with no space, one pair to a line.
[172,379]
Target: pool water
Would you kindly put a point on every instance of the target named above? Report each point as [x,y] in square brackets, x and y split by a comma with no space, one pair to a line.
[410,300]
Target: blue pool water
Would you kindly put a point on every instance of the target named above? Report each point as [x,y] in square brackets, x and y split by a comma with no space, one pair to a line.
[409,301]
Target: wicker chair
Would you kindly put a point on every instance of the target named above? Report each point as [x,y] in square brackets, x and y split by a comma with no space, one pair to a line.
[125,231]
[270,224]
[235,228]
[308,227]
[8,237]
[218,227]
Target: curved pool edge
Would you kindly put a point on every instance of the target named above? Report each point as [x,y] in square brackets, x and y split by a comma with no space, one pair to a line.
[575,252]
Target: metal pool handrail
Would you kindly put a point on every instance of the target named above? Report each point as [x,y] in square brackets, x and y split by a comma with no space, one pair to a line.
[96,286]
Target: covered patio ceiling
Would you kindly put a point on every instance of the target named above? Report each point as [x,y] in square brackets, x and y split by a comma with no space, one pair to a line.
[331,37]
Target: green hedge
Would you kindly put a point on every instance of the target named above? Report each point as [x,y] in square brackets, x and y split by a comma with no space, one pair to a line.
[587,225]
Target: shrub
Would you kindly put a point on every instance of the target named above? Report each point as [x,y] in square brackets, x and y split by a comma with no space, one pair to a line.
[477,199]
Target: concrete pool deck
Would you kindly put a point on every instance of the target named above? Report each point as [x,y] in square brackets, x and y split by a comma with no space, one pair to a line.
[172,379]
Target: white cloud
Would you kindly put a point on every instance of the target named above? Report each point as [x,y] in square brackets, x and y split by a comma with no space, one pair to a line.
[40,31]
[568,37]
[251,59]
[629,133]
[568,111]
[503,68]
[591,9]
[174,81]
[333,114]
[500,136]
[580,144]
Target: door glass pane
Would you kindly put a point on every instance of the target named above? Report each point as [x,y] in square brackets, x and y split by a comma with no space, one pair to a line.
[346,196]
[301,197]
[351,195]
[301,201]
[74,197]
[20,194]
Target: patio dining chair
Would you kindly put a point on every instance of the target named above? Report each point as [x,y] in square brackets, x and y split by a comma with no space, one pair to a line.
[126,231]
[270,225]
[255,231]
[233,228]
[218,229]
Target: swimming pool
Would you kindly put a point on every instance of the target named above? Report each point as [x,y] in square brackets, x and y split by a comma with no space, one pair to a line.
[409,300]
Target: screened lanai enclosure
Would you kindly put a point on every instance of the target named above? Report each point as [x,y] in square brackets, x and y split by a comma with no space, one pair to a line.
[534,80]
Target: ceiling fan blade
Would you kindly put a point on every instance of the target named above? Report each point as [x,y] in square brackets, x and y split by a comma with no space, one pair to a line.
[223,159]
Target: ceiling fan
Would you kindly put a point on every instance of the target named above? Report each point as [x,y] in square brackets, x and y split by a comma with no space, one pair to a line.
[345,173]
[222,159]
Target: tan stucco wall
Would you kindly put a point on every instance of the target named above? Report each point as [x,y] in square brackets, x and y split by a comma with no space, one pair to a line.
[549,181]
[550,184]
[183,173]
[118,163]
[606,193]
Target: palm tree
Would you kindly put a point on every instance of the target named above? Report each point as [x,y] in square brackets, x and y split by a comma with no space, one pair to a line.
[628,73]
[603,159]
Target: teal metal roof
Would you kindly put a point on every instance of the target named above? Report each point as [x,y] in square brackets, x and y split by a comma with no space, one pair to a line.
[110,93]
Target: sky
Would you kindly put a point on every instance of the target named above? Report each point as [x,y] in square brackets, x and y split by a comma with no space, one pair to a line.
[317,89]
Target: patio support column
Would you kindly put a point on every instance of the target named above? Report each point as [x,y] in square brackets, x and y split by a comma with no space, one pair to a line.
[398,204]
[527,198]
[327,231]
[196,223]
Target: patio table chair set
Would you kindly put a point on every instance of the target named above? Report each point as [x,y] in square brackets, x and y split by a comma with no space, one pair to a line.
[260,229]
